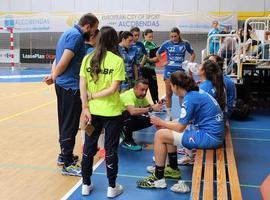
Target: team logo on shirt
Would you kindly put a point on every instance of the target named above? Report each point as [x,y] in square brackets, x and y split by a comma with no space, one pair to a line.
[183,112]
[219,117]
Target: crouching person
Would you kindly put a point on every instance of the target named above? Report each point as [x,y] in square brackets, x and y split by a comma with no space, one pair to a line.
[199,108]
[136,109]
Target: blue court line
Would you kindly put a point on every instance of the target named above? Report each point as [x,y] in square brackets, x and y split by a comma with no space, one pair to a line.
[189,181]
[252,129]
[251,139]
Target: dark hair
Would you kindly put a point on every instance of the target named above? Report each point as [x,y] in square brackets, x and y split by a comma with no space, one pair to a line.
[107,41]
[135,29]
[141,80]
[124,35]
[214,74]
[92,36]
[176,30]
[147,31]
[88,18]
[219,60]
[184,81]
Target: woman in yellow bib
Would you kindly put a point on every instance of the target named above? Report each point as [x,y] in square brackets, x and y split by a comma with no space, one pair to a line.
[101,74]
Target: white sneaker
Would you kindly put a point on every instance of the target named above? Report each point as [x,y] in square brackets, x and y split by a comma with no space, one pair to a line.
[86,189]
[180,187]
[113,192]
[185,160]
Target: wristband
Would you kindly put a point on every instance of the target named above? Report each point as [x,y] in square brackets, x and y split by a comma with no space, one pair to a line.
[150,109]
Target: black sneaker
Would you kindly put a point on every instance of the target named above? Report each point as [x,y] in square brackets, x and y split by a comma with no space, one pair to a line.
[60,160]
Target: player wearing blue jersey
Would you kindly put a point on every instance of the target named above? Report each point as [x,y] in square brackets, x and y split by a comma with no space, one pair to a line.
[229,85]
[141,51]
[212,82]
[200,108]
[129,54]
[176,50]
[214,41]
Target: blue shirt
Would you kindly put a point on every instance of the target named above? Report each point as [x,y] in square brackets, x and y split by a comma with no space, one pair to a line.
[129,57]
[214,41]
[141,51]
[74,41]
[204,111]
[231,93]
[208,87]
[88,48]
[175,52]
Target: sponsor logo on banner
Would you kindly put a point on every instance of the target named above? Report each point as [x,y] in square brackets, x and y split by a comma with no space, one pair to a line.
[187,22]
[6,56]
[37,55]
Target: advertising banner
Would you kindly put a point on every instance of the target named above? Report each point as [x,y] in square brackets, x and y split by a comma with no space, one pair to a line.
[187,22]
[45,56]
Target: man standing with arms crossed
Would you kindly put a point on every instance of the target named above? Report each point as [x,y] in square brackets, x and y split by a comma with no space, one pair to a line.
[70,51]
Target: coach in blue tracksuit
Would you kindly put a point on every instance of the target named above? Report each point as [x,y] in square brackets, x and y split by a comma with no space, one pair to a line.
[176,50]
[70,51]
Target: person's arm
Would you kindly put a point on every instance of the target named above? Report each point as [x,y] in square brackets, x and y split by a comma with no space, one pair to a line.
[139,111]
[192,57]
[63,63]
[172,125]
[142,63]
[136,72]
[106,92]
[83,92]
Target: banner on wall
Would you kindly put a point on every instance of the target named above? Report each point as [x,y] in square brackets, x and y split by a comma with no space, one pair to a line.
[6,55]
[187,22]
[37,55]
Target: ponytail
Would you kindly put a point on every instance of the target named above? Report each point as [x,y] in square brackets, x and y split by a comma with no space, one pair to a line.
[214,74]
[182,80]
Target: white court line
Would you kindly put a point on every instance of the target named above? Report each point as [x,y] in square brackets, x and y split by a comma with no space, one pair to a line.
[75,187]
[23,76]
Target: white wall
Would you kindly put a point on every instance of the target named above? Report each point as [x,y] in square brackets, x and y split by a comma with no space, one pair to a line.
[116,6]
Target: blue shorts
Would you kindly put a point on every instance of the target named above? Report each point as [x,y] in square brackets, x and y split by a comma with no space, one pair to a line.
[168,70]
[197,139]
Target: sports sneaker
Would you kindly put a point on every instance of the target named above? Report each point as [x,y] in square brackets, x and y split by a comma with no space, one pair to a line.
[131,146]
[180,187]
[86,189]
[72,170]
[113,192]
[185,160]
[168,172]
[60,159]
[151,182]
[182,151]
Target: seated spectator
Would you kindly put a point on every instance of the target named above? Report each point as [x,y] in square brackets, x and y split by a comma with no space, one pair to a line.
[136,112]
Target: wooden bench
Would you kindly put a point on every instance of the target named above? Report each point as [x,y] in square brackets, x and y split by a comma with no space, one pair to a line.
[216,181]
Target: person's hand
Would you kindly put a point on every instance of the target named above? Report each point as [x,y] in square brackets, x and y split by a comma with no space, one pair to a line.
[86,116]
[155,120]
[48,80]
[157,107]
